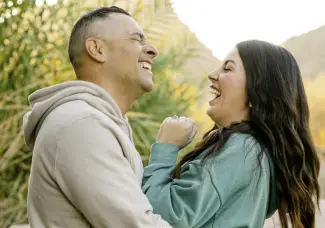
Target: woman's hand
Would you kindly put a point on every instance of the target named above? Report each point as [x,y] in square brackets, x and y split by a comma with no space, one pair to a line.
[178,131]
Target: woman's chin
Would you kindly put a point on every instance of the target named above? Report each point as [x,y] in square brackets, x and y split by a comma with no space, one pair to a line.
[210,111]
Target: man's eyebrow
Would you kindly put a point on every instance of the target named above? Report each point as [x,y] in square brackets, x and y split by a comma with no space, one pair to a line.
[142,36]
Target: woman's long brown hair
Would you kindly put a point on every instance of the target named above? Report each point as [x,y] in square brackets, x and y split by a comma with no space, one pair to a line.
[279,121]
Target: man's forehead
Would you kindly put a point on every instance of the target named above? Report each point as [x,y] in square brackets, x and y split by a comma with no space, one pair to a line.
[119,25]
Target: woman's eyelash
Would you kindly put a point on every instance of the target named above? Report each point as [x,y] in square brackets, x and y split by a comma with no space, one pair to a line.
[226,69]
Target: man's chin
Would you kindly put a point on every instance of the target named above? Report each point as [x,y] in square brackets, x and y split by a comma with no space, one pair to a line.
[147,87]
[148,90]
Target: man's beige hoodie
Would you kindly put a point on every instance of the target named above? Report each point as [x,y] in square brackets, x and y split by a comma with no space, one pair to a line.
[85,170]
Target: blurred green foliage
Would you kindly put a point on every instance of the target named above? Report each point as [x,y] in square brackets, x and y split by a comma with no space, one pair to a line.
[33,54]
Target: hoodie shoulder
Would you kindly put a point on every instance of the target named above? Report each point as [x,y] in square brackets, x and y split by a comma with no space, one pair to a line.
[51,124]
[56,106]
[250,149]
[70,112]
[73,110]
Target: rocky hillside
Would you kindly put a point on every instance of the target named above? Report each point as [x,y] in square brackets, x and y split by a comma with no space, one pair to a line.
[309,50]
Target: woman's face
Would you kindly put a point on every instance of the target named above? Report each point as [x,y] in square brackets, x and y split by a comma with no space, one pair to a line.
[228,86]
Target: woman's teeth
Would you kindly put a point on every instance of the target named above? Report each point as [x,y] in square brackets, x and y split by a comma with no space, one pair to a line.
[145,65]
[215,92]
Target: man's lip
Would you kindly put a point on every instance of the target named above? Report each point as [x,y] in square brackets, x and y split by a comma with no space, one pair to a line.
[147,61]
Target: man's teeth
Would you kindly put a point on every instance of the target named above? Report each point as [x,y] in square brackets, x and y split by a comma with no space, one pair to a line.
[145,65]
[215,92]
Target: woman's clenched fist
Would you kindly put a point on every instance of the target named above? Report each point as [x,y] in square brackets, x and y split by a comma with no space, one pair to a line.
[179,131]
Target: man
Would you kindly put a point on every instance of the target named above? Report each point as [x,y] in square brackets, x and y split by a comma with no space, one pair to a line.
[85,170]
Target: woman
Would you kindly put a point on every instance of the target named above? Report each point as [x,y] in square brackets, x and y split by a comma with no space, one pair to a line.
[258,157]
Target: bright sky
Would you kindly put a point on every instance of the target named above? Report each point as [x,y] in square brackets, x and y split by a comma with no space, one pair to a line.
[220,24]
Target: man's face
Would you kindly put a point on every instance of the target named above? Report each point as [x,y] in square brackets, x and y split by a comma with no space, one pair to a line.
[128,55]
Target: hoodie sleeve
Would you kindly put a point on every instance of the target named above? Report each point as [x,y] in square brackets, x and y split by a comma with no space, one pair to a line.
[98,180]
[184,202]
[197,195]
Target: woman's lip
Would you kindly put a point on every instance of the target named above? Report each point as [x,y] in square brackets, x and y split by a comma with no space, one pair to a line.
[213,100]
[215,87]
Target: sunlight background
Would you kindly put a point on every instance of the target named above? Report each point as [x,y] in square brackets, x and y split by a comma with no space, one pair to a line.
[221,24]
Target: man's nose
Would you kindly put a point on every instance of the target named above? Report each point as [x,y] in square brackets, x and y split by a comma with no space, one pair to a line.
[151,51]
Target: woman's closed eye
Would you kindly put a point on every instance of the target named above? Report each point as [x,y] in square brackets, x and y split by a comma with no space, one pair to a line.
[226,68]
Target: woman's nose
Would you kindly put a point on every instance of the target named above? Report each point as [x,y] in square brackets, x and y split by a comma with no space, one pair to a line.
[214,76]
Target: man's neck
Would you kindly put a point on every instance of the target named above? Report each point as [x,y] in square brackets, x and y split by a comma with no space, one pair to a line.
[121,96]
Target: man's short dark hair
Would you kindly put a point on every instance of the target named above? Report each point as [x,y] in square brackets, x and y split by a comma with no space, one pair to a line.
[80,30]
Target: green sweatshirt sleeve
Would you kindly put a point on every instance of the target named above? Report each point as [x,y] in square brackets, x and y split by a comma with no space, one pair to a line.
[182,202]
[195,198]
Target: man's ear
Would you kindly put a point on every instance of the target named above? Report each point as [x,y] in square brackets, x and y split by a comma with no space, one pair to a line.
[95,49]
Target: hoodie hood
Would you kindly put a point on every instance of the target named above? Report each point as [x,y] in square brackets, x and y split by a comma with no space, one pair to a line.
[45,100]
